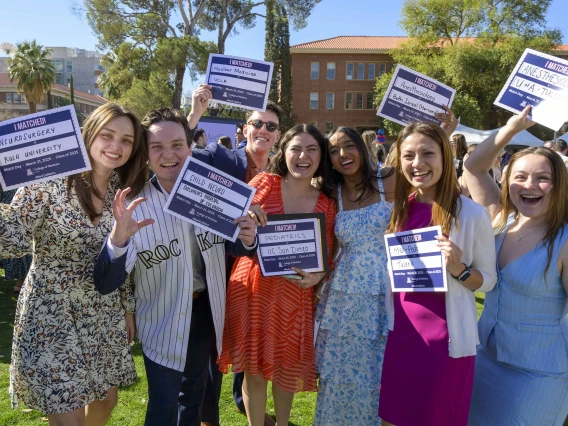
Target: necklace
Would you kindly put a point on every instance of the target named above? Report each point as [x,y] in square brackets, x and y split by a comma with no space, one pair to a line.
[520,237]
[290,195]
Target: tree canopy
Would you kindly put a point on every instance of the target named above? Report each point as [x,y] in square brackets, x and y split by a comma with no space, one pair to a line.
[31,66]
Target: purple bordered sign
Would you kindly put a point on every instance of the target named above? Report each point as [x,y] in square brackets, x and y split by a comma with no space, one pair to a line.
[293,240]
[539,80]
[412,96]
[209,199]
[40,147]
[415,261]
[240,82]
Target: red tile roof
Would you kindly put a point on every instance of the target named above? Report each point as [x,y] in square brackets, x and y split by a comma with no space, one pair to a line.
[362,43]
[5,81]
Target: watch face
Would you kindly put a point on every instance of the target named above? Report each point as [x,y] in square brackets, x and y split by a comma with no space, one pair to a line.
[465,275]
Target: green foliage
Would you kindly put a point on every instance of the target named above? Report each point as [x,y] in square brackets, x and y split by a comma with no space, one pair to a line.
[145,95]
[59,101]
[33,70]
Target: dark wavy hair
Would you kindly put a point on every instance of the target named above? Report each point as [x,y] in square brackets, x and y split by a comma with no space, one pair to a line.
[278,165]
[367,186]
[167,114]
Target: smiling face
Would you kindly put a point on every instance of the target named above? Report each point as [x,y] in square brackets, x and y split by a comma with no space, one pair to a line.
[167,151]
[260,141]
[303,156]
[344,155]
[530,185]
[422,164]
[113,144]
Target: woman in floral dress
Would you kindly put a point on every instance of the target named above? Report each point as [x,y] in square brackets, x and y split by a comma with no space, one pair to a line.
[70,347]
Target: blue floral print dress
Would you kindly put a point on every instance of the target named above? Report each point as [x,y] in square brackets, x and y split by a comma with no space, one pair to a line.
[70,344]
[353,319]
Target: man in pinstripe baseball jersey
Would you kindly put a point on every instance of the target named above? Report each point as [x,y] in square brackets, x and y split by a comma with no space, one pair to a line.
[180,278]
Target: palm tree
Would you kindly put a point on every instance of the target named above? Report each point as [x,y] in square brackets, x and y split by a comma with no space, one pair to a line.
[32,68]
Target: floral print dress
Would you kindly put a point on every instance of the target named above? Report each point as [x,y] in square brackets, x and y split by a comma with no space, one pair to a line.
[70,343]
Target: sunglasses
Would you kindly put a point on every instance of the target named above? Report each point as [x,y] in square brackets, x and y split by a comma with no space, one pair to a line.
[270,125]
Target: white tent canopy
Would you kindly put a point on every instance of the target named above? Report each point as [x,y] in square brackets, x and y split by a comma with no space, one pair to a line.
[473,136]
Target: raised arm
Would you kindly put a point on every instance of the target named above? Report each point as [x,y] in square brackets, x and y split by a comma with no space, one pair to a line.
[480,184]
[199,103]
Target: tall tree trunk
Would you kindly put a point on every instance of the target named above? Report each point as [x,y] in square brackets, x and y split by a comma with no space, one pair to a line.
[32,107]
[221,33]
[178,86]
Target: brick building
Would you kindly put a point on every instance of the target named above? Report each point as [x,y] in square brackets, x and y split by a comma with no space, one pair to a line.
[11,100]
[334,79]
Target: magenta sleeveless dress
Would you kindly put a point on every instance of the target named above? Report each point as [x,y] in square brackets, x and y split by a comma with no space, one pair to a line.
[421,385]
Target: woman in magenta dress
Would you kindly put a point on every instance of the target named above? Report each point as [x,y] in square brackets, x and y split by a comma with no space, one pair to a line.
[430,353]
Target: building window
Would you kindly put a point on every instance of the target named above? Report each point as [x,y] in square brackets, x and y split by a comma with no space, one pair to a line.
[58,65]
[360,71]
[382,69]
[59,78]
[370,100]
[328,126]
[350,69]
[16,98]
[315,71]
[314,100]
[331,70]
[8,98]
[358,101]
[330,100]
[22,99]
[69,66]
[349,101]
[371,72]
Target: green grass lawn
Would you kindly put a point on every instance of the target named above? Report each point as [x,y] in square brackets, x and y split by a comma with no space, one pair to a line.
[131,407]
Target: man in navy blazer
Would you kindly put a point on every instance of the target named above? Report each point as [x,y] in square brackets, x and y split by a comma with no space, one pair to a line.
[262,132]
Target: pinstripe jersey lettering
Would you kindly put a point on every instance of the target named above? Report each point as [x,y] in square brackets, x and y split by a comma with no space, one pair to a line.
[204,244]
[150,258]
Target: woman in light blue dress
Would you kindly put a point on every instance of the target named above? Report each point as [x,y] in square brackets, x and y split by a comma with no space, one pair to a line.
[521,370]
[353,320]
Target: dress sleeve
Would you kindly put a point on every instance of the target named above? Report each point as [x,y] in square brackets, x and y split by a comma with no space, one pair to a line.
[127,294]
[330,229]
[20,220]
[263,183]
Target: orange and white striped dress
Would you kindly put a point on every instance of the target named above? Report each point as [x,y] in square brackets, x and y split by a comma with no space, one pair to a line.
[269,322]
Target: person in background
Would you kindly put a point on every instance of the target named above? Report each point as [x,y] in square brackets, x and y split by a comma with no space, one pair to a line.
[269,320]
[353,320]
[381,156]
[561,148]
[549,145]
[521,371]
[199,139]
[226,142]
[459,148]
[70,349]
[370,138]
[429,360]
[240,138]
[15,268]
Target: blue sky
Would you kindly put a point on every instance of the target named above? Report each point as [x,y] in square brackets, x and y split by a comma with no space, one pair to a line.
[52,23]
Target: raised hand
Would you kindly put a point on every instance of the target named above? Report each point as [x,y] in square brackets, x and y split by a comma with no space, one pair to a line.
[520,122]
[199,103]
[247,230]
[124,225]
[449,122]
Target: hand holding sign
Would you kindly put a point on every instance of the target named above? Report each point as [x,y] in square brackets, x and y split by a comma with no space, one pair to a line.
[124,225]
[258,215]
[307,279]
[448,120]
[453,255]
[247,230]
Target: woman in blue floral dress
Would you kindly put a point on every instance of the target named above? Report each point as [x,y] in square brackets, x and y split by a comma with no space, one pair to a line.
[353,320]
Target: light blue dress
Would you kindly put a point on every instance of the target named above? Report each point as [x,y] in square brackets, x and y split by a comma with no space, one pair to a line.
[521,369]
[353,320]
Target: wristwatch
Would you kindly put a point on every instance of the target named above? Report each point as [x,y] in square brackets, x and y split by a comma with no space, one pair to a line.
[464,275]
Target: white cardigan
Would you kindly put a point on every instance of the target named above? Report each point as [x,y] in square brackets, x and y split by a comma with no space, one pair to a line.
[477,240]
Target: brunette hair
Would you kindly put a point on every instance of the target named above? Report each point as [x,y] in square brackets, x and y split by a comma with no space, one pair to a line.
[278,165]
[167,114]
[370,139]
[133,173]
[556,216]
[461,145]
[447,203]
[368,167]
[270,106]
[226,141]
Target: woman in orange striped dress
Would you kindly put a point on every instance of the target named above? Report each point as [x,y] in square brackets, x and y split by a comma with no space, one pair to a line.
[269,330]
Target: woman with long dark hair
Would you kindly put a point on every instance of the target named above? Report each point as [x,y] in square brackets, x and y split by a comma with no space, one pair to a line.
[70,348]
[353,319]
[430,352]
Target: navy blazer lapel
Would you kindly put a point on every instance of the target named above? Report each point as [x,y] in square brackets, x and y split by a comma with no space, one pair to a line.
[241,163]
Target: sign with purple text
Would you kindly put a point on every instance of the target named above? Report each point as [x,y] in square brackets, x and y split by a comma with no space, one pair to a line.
[541,81]
[415,261]
[293,240]
[209,199]
[412,96]
[239,82]
[40,147]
